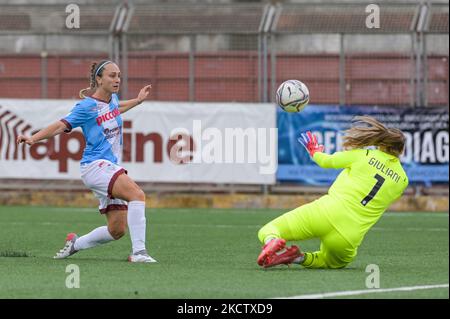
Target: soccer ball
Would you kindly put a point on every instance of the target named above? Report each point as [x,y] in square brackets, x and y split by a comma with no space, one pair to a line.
[292,96]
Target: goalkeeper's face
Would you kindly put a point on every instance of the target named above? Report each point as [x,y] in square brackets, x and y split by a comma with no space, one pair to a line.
[109,81]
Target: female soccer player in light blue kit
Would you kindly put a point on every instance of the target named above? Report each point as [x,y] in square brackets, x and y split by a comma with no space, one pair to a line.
[371,180]
[121,199]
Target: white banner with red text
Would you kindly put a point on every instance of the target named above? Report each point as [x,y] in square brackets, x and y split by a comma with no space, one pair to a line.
[163,142]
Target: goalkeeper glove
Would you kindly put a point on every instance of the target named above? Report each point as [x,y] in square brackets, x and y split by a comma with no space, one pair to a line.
[309,142]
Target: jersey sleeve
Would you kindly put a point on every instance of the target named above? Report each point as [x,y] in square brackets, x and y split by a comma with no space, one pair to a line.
[339,159]
[77,116]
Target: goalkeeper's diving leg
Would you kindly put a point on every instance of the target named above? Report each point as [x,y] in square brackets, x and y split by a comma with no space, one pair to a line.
[304,222]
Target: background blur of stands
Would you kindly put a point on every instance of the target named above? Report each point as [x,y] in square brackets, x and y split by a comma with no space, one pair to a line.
[230,52]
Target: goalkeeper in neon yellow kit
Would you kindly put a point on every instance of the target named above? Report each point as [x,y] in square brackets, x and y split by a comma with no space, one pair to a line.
[370,181]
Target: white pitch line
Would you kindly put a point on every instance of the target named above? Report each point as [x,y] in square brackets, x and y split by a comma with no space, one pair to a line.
[362,292]
[423,214]
[411,229]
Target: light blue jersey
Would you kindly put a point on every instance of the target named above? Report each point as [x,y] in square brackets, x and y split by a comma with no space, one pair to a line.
[102,128]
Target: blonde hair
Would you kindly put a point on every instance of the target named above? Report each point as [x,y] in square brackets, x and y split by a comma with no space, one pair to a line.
[92,81]
[373,133]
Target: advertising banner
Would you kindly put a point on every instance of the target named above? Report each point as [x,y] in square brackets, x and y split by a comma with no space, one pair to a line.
[426,156]
[163,142]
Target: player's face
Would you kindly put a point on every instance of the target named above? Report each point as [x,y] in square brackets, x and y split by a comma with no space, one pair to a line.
[110,80]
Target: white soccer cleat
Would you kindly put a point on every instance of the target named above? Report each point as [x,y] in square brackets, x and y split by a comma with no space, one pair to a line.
[141,257]
[69,247]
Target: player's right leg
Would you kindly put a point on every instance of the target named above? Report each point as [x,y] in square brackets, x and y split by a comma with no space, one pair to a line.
[98,176]
[100,235]
[301,223]
[69,247]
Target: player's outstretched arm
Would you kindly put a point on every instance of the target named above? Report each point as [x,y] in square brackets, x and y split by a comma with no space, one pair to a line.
[315,150]
[129,104]
[50,131]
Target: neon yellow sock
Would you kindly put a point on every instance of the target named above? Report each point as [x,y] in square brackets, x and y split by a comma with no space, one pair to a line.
[314,260]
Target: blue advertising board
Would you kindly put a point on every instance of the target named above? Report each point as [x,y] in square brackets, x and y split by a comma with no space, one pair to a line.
[426,156]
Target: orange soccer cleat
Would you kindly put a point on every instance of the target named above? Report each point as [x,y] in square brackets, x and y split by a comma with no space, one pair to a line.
[270,248]
[286,257]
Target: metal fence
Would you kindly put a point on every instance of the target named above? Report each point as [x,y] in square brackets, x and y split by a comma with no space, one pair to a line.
[233,52]
[41,57]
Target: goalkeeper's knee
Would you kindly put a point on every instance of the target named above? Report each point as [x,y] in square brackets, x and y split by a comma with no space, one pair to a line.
[268,231]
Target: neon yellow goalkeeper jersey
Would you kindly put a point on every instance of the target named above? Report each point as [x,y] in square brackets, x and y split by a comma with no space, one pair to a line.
[369,183]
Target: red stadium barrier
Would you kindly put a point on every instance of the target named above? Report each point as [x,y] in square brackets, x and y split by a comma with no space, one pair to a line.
[375,79]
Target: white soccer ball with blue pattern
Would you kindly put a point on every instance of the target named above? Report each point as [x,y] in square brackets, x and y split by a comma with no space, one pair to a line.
[292,96]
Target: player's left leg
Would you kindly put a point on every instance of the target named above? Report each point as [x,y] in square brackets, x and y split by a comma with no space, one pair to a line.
[126,189]
[117,223]
[302,223]
[335,252]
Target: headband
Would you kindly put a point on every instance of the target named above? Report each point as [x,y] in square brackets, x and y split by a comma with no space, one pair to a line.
[101,66]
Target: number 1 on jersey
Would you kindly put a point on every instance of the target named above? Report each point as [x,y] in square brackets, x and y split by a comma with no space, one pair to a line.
[380,180]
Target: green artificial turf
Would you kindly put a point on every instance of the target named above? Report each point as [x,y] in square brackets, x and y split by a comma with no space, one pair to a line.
[211,253]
